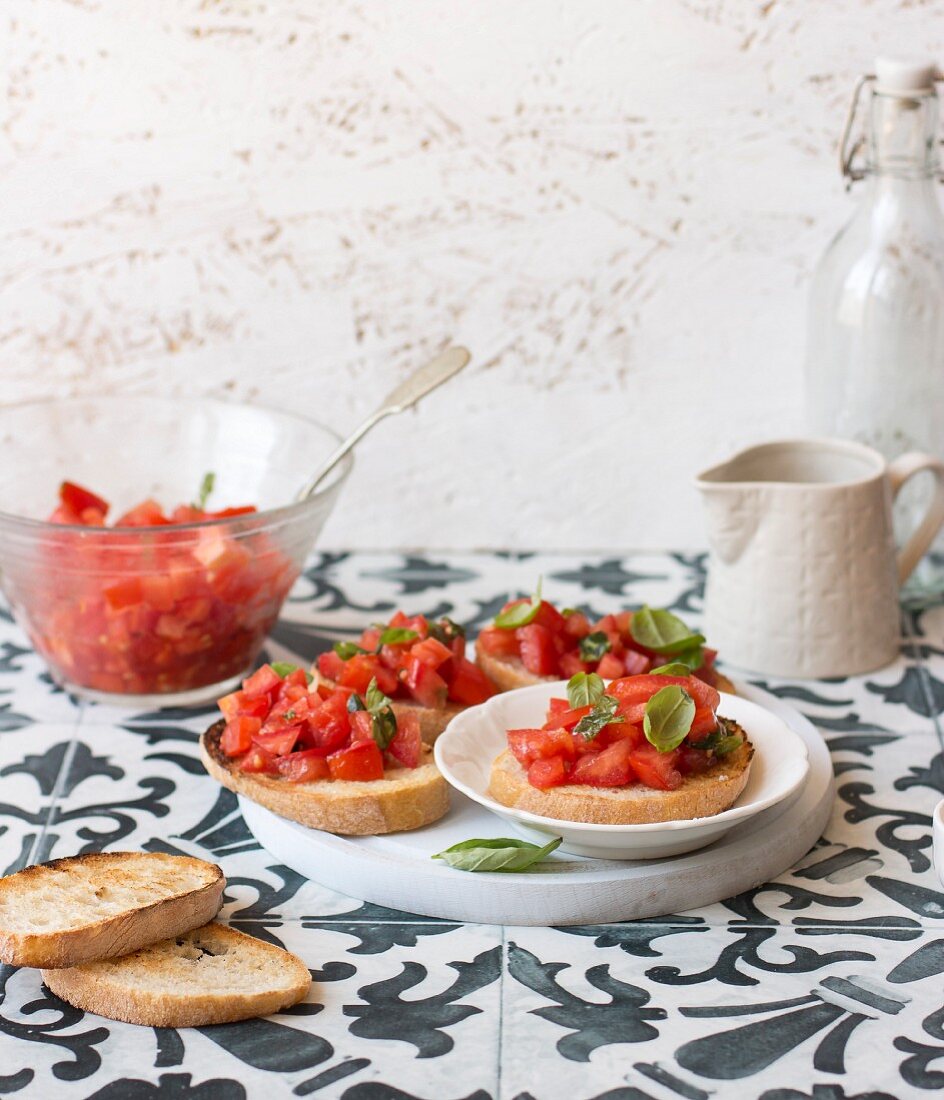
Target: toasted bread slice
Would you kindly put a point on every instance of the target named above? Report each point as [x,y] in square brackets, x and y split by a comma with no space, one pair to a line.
[699,795]
[508,673]
[103,904]
[432,720]
[210,975]
[406,798]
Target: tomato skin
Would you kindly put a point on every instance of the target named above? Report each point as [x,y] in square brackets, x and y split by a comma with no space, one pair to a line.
[407,746]
[565,718]
[238,734]
[538,652]
[361,761]
[656,769]
[549,772]
[330,665]
[469,685]
[610,767]
[303,767]
[497,642]
[77,499]
[426,686]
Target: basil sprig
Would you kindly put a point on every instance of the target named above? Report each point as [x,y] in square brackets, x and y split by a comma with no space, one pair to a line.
[594,646]
[719,741]
[522,613]
[668,717]
[603,715]
[663,632]
[396,635]
[347,650]
[206,488]
[584,689]
[501,854]
[383,722]
[284,668]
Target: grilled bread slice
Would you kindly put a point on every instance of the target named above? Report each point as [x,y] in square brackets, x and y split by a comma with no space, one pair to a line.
[406,798]
[210,975]
[103,904]
[700,795]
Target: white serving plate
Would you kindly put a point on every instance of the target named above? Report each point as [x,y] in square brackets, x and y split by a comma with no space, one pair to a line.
[396,871]
[465,751]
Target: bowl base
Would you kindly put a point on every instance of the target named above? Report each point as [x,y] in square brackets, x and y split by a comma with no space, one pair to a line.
[195,697]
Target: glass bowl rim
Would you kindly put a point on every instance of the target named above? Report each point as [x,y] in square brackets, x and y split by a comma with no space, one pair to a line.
[283,513]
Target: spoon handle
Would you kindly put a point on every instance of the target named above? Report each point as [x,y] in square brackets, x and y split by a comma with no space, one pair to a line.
[403,396]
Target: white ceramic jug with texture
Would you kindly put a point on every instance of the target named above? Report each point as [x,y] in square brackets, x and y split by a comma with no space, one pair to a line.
[803,574]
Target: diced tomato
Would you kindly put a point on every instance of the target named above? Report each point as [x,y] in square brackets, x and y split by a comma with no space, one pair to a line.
[278,741]
[229,513]
[576,625]
[497,642]
[565,719]
[358,672]
[239,703]
[538,652]
[360,761]
[528,745]
[557,706]
[635,663]
[146,514]
[656,769]
[608,768]
[426,686]
[303,767]
[258,760]
[693,761]
[264,681]
[238,734]
[469,685]
[361,726]
[570,664]
[550,618]
[431,652]
[123,593]
[407,746]
[610,666]
[330,665]
[329,726]
[77,499]
[547,773]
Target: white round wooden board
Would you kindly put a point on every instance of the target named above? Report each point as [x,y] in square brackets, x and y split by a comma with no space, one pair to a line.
[396,871]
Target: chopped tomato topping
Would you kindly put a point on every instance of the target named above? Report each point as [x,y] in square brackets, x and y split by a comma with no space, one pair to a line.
[303,767]
[407,745]
[360,761]
[238,734]
[550,772]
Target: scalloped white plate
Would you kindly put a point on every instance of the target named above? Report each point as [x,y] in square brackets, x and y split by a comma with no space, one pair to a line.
[465,751]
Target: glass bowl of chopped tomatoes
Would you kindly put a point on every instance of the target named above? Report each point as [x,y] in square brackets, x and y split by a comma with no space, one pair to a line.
[147,544]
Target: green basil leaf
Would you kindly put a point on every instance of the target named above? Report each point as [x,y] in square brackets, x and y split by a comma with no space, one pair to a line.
[692,658]
[396,635]
[383,726]
[603,714]
[566,611]
[347,650]
[445,630]
[501,855]
[726,744]
[673,668]
[662,632]
[594,646]
[283,669]
[354,703]
[584,689]
[521,614]
[206,488]
[668,717]
[375,698]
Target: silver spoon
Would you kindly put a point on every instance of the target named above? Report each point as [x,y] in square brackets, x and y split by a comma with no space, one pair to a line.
[421,382]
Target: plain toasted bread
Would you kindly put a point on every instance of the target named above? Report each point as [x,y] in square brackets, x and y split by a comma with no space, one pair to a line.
[508,673]
[699,795]
[103,904]
[406,798]
[210,975]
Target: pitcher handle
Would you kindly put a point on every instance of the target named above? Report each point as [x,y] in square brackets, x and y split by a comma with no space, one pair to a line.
[901,470]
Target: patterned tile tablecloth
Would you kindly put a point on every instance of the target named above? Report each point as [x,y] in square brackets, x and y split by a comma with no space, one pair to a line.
[826,984]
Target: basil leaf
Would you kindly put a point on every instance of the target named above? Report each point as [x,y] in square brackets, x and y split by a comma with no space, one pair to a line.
[396,635]
[566,611]
[445,630]
[603,714]
[375,698]
[206,488]
[355,703]
[692,658]
[673,668]
[584,689]
[727,744]
[521,614]
[283,669]
[347,650]
[662,632]
[501,855]
[668,717]
[593,646]
[383,726]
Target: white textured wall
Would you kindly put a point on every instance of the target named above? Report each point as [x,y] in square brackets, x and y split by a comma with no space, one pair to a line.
[616,204]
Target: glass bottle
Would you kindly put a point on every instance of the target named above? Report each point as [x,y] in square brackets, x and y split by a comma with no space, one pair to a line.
[875,335]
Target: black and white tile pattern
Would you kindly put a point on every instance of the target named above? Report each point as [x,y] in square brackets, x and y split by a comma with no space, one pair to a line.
[827,984]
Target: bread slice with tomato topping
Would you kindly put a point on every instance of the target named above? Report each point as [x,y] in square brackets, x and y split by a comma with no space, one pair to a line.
[405,798]
[419,663]
[704,794]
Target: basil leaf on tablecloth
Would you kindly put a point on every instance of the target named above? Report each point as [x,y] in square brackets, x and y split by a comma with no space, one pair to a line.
[284,668]
[603,715]
[500,854]
[594,646]
[396,635]
[347,650]
[668,717]
[522,613]
[663,632]
[584,689]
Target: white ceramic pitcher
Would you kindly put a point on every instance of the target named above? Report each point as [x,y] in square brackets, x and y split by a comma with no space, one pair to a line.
[803,575]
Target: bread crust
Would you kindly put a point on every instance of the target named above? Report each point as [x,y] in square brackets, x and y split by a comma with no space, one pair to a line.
[107,988]
[406,798]
[699,795]
[508,673]
[118,934]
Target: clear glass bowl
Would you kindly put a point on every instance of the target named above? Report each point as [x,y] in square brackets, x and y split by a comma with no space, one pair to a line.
[146,616]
